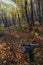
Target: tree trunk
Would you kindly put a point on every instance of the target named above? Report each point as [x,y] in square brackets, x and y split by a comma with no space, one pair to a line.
[39,11]
[32,20]
[19,20]
[30,27]
[13,19]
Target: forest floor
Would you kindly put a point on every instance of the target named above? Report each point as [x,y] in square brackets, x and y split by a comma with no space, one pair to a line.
[11,52]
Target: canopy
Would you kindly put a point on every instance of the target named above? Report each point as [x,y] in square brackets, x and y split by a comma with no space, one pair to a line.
[9,2]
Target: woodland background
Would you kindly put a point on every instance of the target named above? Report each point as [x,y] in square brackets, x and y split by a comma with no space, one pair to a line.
[20,24]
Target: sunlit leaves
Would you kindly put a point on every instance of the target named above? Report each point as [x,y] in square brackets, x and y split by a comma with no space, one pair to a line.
[6,8]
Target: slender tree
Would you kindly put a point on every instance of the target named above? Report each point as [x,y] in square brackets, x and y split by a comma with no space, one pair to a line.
[30,27]
[4,19]
[32,20]
[19,20]
[13,19]
[39,11]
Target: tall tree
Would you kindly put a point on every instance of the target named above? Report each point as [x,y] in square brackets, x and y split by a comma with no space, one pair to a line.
[30,27]
[19,20]
[32,20]
[39,11]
